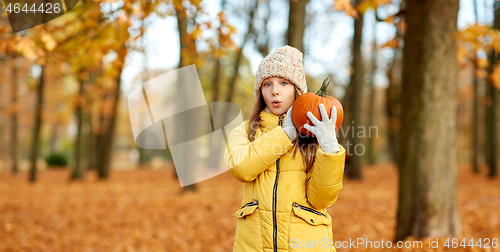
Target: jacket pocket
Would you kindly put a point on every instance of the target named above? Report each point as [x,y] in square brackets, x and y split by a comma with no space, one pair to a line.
[310,215]
[247,209]
[309,230]
[248,236]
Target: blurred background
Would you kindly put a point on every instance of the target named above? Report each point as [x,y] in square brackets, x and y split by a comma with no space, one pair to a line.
[418,81]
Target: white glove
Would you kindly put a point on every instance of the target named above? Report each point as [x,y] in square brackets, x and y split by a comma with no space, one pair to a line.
[324,130]
[288,126]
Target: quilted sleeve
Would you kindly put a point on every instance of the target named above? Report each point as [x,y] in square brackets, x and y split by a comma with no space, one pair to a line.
[246,160]
[324,180]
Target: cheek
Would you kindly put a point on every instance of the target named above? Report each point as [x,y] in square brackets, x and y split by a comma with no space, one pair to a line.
[266,96]
[291,92]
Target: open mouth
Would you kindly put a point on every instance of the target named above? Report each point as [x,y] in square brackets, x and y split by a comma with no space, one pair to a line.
[276,103]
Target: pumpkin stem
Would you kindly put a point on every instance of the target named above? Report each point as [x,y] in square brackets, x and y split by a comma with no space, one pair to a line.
[322,91]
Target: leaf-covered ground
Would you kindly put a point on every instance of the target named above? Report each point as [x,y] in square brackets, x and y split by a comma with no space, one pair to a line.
[144,210]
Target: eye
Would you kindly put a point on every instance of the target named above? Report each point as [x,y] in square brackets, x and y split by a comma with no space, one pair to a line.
[266,85]
[284,83]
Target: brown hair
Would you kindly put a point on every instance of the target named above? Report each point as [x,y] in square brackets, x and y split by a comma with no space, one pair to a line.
[308,145]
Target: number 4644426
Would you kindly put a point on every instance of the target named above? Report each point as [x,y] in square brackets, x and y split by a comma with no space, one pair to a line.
[16,8]
[485,244]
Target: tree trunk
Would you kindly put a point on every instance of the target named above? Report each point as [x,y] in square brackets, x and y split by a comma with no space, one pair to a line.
[475,111]
[262,44]
[96,135]
[217,67]
[186,56]
[393,94]
[54,138]
[99,136]
[216,80]
[184,60]
[91,146]
[492,107]
[475,123]
[78,169]
[142,157]
[344,130]
[427,204]
[491,146]
[296,24]
[214,142]
[108,133]
[35,148]
[356,145]
[13,119]
[393,103]
[370,149]
[87,132]
[108,138]
[141,163]
[232,82]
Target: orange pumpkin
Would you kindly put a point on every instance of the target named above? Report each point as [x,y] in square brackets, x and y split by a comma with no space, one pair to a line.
[310,102]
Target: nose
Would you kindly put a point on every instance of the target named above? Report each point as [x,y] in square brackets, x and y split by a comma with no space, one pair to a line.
[276,89]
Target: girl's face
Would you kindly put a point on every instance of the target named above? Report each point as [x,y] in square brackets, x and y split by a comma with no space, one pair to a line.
[278,93]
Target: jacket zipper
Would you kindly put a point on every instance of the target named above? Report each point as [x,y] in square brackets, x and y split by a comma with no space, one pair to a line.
[300,207]
[275,222]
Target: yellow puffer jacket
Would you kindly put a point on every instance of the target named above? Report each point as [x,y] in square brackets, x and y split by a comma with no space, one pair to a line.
[283,208]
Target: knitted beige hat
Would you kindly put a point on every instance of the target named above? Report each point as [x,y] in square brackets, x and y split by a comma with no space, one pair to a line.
[285,62]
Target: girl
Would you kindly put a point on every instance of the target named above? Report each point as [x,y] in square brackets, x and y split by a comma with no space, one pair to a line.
[285,195]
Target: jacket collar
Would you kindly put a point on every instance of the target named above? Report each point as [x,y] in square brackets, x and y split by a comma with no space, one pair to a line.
[269,119]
